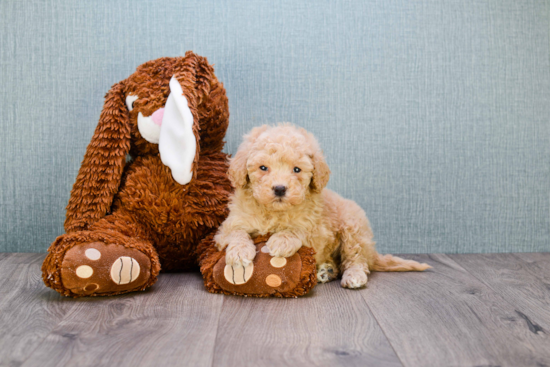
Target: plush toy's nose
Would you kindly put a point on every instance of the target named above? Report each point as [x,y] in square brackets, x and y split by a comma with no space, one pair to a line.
[157,116]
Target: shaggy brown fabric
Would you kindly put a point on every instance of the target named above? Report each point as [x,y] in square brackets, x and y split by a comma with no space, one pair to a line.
[138,205]
[298,275]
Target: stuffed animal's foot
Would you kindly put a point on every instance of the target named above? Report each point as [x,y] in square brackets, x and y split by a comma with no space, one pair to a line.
[98,269]
[354,277]
[265,276]
[326,272]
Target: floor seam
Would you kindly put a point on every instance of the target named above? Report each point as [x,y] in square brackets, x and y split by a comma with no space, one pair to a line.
[383,332]
[217,329]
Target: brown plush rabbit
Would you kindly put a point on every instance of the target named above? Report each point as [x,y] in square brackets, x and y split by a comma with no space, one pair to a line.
[126,219]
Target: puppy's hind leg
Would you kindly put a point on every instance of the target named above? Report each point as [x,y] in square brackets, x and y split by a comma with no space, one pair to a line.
[356,248]
[355,276]
[355,268]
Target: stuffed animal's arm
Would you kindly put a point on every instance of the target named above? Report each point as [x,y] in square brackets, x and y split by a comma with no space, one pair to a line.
[101,170]
[93,192]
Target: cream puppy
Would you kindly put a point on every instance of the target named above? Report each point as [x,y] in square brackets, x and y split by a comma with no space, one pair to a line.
[279,174]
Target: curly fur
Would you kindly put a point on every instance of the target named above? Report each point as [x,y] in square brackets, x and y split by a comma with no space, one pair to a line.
[307,215]
[138,204]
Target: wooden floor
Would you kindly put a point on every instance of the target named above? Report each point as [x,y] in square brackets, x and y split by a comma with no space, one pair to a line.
[470,310]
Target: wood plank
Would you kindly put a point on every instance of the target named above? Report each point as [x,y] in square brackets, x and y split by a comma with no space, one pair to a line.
[18,258]
[538,264]
[19,274]
[332,326]
[470,310]
[6,271]
[172,323]
[514,279]
[4,256]
[447,317]
[28,310]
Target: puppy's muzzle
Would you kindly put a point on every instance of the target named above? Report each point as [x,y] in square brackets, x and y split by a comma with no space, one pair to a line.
[279,190]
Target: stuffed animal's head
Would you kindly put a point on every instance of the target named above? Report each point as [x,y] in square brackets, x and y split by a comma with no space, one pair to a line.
[174,106]
[280,165]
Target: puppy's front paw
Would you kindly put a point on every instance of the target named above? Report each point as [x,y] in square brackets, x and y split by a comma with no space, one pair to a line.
[354,277]
[241,253]
[281,245]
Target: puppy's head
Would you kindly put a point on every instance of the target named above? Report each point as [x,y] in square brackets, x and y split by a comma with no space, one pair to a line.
[281,166]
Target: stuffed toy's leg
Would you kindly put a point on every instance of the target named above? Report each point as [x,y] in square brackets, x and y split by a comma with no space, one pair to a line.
[114,256]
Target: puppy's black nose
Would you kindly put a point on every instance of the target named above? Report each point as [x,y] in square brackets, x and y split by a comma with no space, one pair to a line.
[279,190]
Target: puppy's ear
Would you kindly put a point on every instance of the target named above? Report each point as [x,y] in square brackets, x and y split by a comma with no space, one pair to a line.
[101,170]
[321,172]
[238,174]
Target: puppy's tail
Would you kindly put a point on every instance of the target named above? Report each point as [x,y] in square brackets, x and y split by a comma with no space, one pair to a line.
[394,263]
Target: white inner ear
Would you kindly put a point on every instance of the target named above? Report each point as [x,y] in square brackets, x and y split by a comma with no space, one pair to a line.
[177,144]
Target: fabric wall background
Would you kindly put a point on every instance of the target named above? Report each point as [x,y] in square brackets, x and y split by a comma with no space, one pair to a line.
[433,115]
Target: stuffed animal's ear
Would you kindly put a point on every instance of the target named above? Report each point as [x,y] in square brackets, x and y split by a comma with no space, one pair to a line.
[178,145]
[321,172]
[238,173]
[101,170]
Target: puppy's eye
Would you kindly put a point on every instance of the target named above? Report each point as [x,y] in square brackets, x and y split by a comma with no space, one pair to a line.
[263,168]
[297,170]
[130,102]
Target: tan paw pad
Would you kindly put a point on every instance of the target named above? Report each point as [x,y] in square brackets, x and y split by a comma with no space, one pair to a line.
[238,274]
[84,271]
[92,254]
[278,262]
[273,280]
[124,270]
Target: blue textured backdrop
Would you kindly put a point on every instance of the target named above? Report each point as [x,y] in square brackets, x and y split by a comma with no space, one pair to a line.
[433,115]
